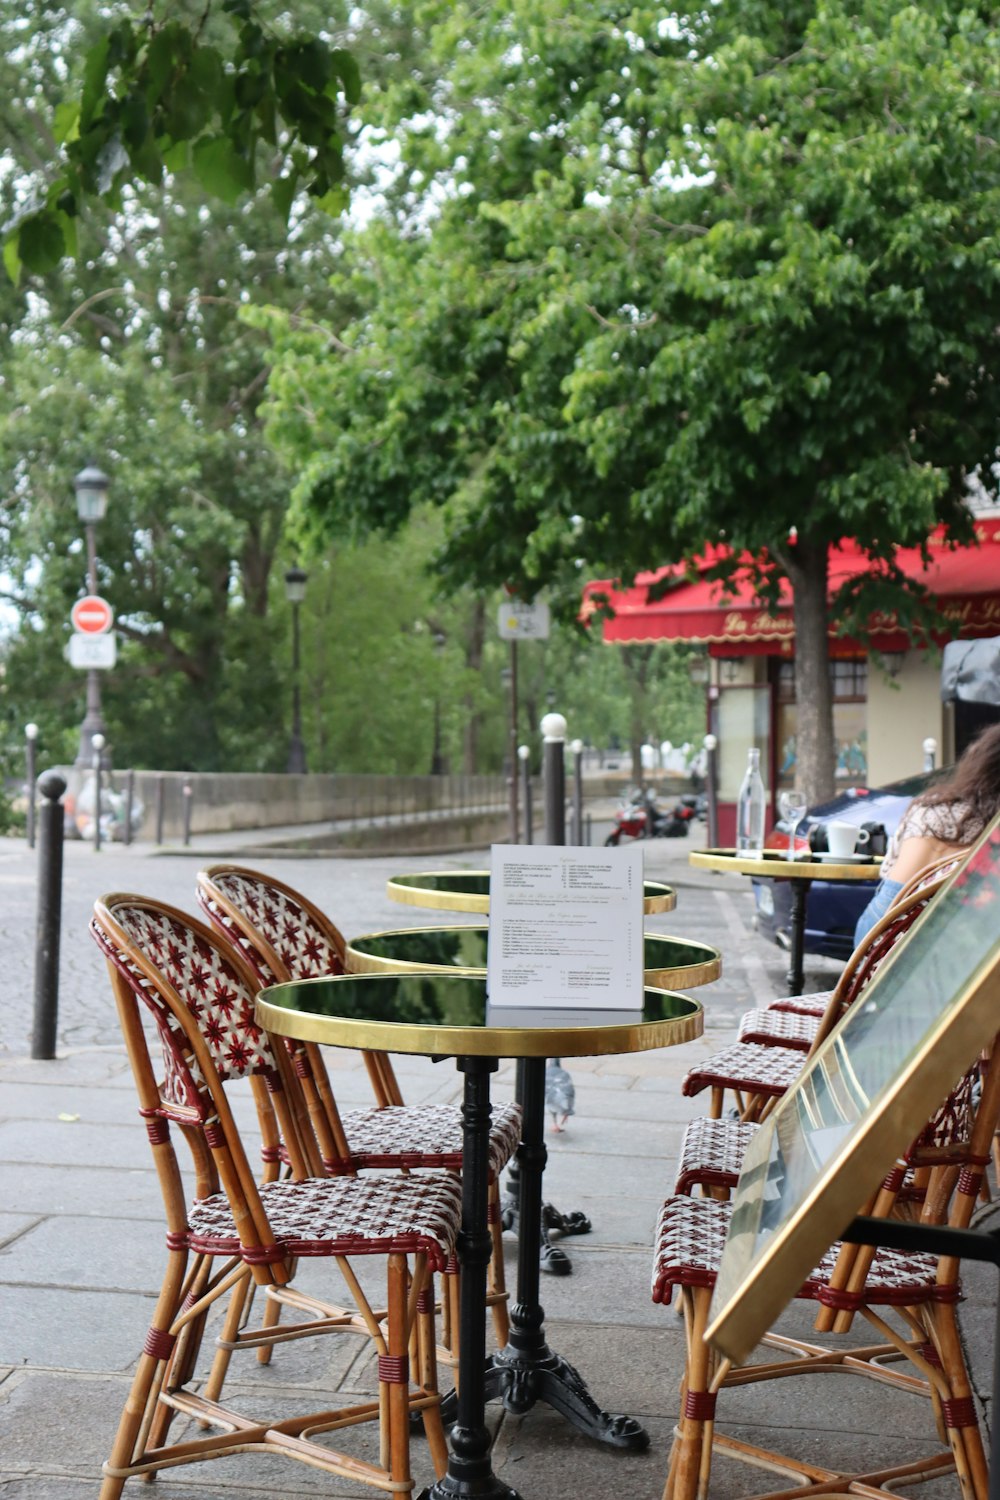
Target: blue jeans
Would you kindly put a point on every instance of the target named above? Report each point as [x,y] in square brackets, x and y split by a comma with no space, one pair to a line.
[885,894]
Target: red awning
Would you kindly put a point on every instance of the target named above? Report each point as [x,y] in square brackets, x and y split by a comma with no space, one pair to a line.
[964,580]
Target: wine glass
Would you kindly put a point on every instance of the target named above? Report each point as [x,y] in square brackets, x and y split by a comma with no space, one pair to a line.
[792,806]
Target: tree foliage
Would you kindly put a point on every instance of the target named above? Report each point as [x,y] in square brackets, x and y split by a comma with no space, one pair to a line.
[641,283]
[213,89]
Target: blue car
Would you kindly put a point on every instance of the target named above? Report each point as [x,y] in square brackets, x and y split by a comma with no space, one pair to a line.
[832,911]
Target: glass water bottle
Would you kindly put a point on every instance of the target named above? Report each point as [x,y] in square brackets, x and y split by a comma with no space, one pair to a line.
[750,809]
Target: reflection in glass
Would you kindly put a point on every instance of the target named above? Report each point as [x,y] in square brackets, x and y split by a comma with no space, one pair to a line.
[928,980]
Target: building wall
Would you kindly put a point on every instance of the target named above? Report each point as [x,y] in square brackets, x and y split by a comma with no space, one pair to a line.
[901,715]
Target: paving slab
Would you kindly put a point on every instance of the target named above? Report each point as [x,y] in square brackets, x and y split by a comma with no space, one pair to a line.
[81,1247]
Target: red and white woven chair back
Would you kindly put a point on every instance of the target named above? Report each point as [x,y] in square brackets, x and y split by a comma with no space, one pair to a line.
[304,945]
[189,959]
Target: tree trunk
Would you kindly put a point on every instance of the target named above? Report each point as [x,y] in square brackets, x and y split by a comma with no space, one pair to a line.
[816,751]
[637,661]
[474,661]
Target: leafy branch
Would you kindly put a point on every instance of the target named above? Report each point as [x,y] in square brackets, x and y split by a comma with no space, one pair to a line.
[157,98]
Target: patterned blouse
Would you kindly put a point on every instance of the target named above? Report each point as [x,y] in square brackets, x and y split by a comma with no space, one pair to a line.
[938,820]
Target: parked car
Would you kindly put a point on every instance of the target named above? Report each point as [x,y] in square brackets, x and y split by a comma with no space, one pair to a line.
[832,910]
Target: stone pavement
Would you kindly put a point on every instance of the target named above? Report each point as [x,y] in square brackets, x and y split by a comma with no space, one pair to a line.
[81,1225]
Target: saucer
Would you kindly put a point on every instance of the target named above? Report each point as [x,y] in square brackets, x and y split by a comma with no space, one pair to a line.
[845,859]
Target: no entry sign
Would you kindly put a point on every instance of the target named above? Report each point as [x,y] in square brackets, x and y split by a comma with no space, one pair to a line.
[92,615]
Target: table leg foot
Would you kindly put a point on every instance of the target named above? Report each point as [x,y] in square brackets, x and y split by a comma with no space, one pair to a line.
[450,1488]
[524,1380]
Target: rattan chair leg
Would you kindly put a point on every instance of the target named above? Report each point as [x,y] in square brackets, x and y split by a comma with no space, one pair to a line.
[496,1272]
[137,1416]
[960,1412]
[690,1481]
[394,1372]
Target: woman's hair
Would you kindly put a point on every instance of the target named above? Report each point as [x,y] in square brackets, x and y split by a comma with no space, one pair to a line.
[974,783]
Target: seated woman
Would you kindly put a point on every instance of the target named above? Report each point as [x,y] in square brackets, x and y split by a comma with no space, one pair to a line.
[945,819]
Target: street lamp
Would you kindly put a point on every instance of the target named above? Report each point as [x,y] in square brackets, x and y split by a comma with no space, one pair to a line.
[91,486]
[295,591]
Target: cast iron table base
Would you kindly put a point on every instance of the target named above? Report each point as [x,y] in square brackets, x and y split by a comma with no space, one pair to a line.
[526,1370]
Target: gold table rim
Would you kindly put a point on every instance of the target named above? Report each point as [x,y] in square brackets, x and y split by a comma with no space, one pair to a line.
[665,898]
[475,1041]
[728,861]
[665,977]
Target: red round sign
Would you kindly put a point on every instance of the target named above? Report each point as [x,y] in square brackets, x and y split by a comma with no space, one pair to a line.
[92,615]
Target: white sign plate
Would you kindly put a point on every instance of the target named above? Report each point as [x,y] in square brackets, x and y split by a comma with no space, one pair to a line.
[93,651]
[523,622]
[565,928]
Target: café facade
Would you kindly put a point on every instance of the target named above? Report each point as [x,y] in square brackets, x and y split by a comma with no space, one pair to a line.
[886,688]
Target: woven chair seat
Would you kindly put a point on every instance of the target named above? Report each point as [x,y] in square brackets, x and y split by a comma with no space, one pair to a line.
[813,1004]
[330,1216]
[712,1153]
[746,1065]
[425,1135]
[691,1233]
[779,1028]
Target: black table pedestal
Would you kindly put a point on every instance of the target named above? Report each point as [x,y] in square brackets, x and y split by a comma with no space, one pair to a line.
[795,977]
[470,1470]
[526,1370]
[552,1258]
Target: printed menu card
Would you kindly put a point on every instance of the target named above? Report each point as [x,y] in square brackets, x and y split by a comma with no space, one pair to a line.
[565,927]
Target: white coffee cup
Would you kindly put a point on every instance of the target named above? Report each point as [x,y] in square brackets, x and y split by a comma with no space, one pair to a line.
[843,838]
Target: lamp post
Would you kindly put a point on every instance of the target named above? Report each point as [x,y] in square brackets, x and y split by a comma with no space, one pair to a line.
[295,591]
[91,487]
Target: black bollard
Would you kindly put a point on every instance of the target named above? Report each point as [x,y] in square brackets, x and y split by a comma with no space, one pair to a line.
[554,777]
[577,752]
[712,788]
[30,741]
[97,740]
[524,756]
[188,794]
[129,800]
[50,863]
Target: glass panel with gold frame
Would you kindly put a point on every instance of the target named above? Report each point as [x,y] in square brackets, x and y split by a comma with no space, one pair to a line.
[862,1099]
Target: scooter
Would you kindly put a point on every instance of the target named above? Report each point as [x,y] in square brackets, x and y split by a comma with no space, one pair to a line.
[639,817]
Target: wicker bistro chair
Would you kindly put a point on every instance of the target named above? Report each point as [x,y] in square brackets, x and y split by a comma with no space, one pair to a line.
[757,1072]
[200,998]
[849,1280]
[815,1004]
[283,936]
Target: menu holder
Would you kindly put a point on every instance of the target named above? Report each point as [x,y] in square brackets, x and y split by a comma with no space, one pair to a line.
[861,1100]
[565,929]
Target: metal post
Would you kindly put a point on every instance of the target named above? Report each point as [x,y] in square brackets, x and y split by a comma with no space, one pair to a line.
[712,788]
[577,749]
[30,742]
[297,749]
[524,756]
[97,740]
[129,799]
[93,719]
[187,792]
[50,863]
[930,753]
[514,831]
[554,777]
[161,789]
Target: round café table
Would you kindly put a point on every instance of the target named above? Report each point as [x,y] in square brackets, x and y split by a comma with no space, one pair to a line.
[668,962]
[448,1015]
[773,865]
[469,890]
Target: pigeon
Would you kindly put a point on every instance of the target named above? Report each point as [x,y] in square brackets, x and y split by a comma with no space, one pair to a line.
[559,1094]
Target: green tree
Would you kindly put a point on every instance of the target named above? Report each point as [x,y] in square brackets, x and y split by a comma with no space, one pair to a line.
[644,283]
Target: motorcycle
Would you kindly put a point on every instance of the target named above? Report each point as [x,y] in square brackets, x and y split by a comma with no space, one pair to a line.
[639,817]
